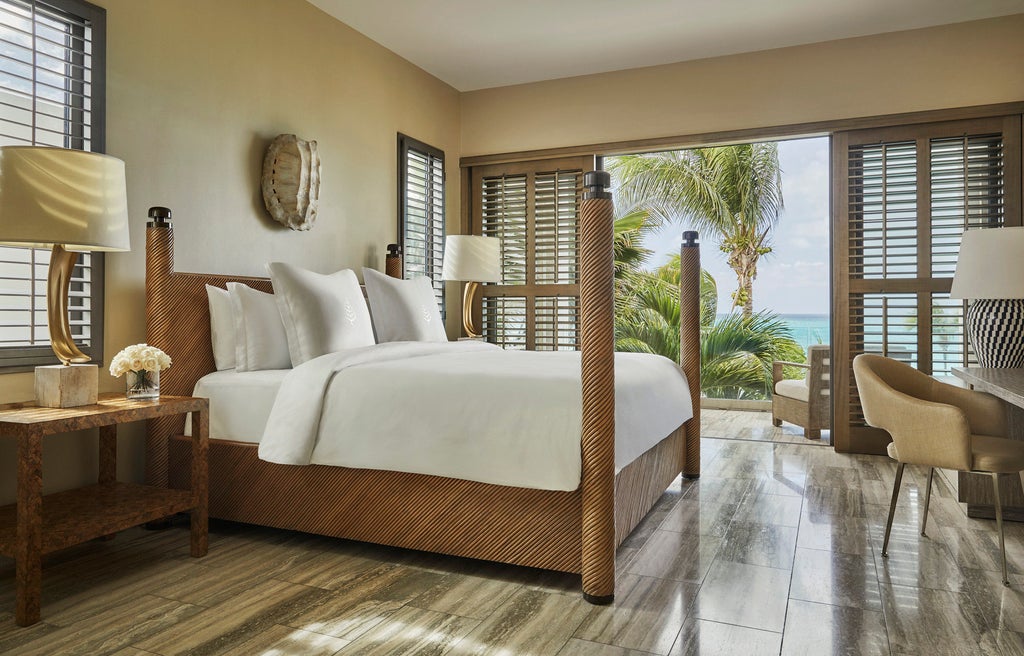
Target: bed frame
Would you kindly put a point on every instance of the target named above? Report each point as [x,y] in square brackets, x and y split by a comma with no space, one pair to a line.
[574,531]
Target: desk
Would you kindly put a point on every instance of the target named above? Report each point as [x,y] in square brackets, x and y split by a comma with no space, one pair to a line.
[976,491]
[38,525]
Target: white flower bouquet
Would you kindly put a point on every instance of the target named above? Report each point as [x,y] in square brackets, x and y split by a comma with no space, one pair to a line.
[139,357]
[143,364]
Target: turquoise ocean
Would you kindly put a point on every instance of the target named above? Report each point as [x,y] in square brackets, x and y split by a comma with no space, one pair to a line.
[807,329]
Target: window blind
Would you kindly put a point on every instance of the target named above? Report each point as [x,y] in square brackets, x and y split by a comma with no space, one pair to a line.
[421,212]
[51,94]
[504,216]
[504,321]
[908,195]
[883,210]
[533,207]
[967,177]
[556,320]
[556,226]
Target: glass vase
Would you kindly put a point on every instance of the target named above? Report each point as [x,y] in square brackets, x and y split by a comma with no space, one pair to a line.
[142,384]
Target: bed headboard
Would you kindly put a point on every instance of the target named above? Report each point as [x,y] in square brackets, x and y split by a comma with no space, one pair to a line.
[177,321]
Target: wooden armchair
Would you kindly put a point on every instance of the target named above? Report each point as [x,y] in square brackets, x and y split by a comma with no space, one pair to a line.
[806,402]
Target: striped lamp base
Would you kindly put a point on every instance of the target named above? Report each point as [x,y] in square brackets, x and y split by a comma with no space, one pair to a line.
[996,330]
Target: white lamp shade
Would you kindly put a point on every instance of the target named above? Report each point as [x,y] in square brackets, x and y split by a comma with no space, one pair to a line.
[472,257]
[58,196]
[990,264]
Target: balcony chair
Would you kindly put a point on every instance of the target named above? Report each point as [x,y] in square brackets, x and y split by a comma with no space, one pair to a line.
[933,424]
[805,402]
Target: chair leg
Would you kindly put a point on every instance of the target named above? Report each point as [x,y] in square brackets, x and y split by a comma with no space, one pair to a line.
[892,509]
[776,422]
[999,524]
[812,433]
[927,498]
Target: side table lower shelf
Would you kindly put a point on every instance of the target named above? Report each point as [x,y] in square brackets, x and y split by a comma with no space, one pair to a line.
[83,514]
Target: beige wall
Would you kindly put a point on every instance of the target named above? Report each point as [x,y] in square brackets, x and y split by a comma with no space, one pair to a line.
[951,66]
[196,90]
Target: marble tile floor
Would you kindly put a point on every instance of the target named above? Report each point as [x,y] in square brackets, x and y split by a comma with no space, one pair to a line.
[775,550]
[755,425]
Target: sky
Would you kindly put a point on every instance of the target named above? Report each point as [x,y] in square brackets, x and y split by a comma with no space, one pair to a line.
[794,277]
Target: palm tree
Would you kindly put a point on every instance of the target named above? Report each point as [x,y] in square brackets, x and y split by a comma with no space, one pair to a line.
[733,191]
[736,351]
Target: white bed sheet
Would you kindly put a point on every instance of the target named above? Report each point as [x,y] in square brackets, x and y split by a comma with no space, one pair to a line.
[240,402]
[483,414]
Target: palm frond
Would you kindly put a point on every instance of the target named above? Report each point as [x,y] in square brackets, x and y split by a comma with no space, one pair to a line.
[736,351]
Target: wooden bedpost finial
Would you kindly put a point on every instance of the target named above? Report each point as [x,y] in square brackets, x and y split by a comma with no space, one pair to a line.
[597,338]
[159,247]
[595,185]
[689,344]
[393,261]
[161,217]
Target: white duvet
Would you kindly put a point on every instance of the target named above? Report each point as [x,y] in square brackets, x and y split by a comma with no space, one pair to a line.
[465,410]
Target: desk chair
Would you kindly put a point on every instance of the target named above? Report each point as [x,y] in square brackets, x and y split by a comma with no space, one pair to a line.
[936,425]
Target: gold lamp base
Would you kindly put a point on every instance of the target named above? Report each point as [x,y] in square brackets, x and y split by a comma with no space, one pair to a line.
[72,383]
[467,310]
[58,282]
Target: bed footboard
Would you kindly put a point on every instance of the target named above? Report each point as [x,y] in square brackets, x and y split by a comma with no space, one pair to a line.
[535,528]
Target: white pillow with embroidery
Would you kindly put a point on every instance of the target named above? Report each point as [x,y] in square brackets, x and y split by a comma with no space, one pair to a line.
[403,310]
[321,313]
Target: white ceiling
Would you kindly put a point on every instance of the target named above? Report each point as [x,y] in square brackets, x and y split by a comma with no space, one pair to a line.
[475,44]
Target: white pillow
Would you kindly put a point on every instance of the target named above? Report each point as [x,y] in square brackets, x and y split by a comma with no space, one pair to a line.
[321,313]
[403,310]
[222,327]
[260,340]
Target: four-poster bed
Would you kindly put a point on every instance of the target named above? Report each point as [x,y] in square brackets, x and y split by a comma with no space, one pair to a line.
[571,531]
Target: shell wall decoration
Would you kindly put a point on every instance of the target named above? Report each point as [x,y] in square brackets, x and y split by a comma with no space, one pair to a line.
[291,181]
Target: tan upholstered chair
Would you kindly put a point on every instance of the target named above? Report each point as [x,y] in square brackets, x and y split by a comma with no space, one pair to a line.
[936,425]
[804,402]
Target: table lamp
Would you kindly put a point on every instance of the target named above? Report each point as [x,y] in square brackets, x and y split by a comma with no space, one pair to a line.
[73,201]
[473,259]
[990,270]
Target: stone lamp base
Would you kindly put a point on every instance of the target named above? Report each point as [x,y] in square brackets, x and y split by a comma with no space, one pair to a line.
[67,386]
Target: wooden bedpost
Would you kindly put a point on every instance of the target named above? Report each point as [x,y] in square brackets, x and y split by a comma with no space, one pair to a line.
[159,268]
[597,332]
[689,344]
[178,322]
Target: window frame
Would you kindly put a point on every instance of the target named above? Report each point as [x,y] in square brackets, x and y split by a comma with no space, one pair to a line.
[407,144]
[14,359]
[530,291]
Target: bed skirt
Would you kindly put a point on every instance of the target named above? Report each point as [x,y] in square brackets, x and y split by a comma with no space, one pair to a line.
[520,526]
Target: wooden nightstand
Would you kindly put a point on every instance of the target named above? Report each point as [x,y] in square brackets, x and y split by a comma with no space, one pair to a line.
[37,525]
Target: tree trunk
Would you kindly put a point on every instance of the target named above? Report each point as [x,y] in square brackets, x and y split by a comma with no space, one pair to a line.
[748,296]
[744,263]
